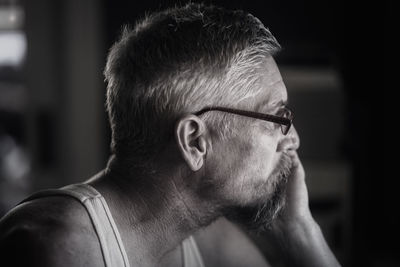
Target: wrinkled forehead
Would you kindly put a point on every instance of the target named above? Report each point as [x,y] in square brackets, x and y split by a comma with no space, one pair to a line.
[273,94]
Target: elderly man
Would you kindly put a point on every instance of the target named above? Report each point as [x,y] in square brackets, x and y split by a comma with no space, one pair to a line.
[201,138]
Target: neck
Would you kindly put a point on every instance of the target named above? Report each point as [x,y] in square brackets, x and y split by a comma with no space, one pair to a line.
[154,213]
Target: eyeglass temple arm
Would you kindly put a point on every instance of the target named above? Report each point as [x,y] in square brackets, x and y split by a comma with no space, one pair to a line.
[267,117]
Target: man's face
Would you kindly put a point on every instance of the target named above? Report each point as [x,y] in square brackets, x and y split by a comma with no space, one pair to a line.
[250,168]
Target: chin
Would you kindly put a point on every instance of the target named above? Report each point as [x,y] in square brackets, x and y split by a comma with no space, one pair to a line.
[259,216]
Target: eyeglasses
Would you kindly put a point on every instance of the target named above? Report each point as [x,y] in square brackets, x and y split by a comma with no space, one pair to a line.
[285,120]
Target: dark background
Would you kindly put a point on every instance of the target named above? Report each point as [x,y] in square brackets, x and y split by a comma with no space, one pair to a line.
[335,63]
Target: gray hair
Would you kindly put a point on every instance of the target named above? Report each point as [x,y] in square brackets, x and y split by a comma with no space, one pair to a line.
[176,62]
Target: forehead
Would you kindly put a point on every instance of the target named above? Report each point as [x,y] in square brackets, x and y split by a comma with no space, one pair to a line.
[273,91]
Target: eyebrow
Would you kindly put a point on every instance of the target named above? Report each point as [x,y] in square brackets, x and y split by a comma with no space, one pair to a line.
[279,104]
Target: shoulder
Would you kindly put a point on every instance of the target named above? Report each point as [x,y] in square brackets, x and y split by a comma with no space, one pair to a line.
[225,244]
[51,231]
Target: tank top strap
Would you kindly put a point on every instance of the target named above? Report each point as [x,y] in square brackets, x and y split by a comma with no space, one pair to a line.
[191,253]
[112,248]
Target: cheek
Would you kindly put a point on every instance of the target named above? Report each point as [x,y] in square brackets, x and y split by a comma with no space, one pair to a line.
[260,159]
[244,168]
[256,170]
[224,170]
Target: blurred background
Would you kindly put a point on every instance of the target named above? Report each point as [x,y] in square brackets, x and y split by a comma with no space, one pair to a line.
[54,130]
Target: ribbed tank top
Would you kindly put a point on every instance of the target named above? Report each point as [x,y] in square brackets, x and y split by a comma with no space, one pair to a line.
[112,247]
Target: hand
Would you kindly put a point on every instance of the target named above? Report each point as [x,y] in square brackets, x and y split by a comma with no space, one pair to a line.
[297,206]
[298,236]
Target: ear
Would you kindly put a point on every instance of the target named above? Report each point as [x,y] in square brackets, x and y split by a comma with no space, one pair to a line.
[191,138]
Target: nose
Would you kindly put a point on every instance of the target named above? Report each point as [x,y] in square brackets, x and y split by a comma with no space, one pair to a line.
[291,141]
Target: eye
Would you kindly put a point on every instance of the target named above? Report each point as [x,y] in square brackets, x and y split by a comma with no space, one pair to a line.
[281,111]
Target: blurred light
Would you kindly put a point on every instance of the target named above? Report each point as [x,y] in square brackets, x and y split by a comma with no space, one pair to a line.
[11,18]
[12,48]
[14,163]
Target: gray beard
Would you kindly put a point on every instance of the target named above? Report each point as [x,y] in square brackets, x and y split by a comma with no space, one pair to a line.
[259,217]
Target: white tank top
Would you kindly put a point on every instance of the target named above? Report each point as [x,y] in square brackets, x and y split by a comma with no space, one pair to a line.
[112,248]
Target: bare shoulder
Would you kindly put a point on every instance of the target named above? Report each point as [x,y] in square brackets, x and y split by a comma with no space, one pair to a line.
[225,244]
[51,231]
